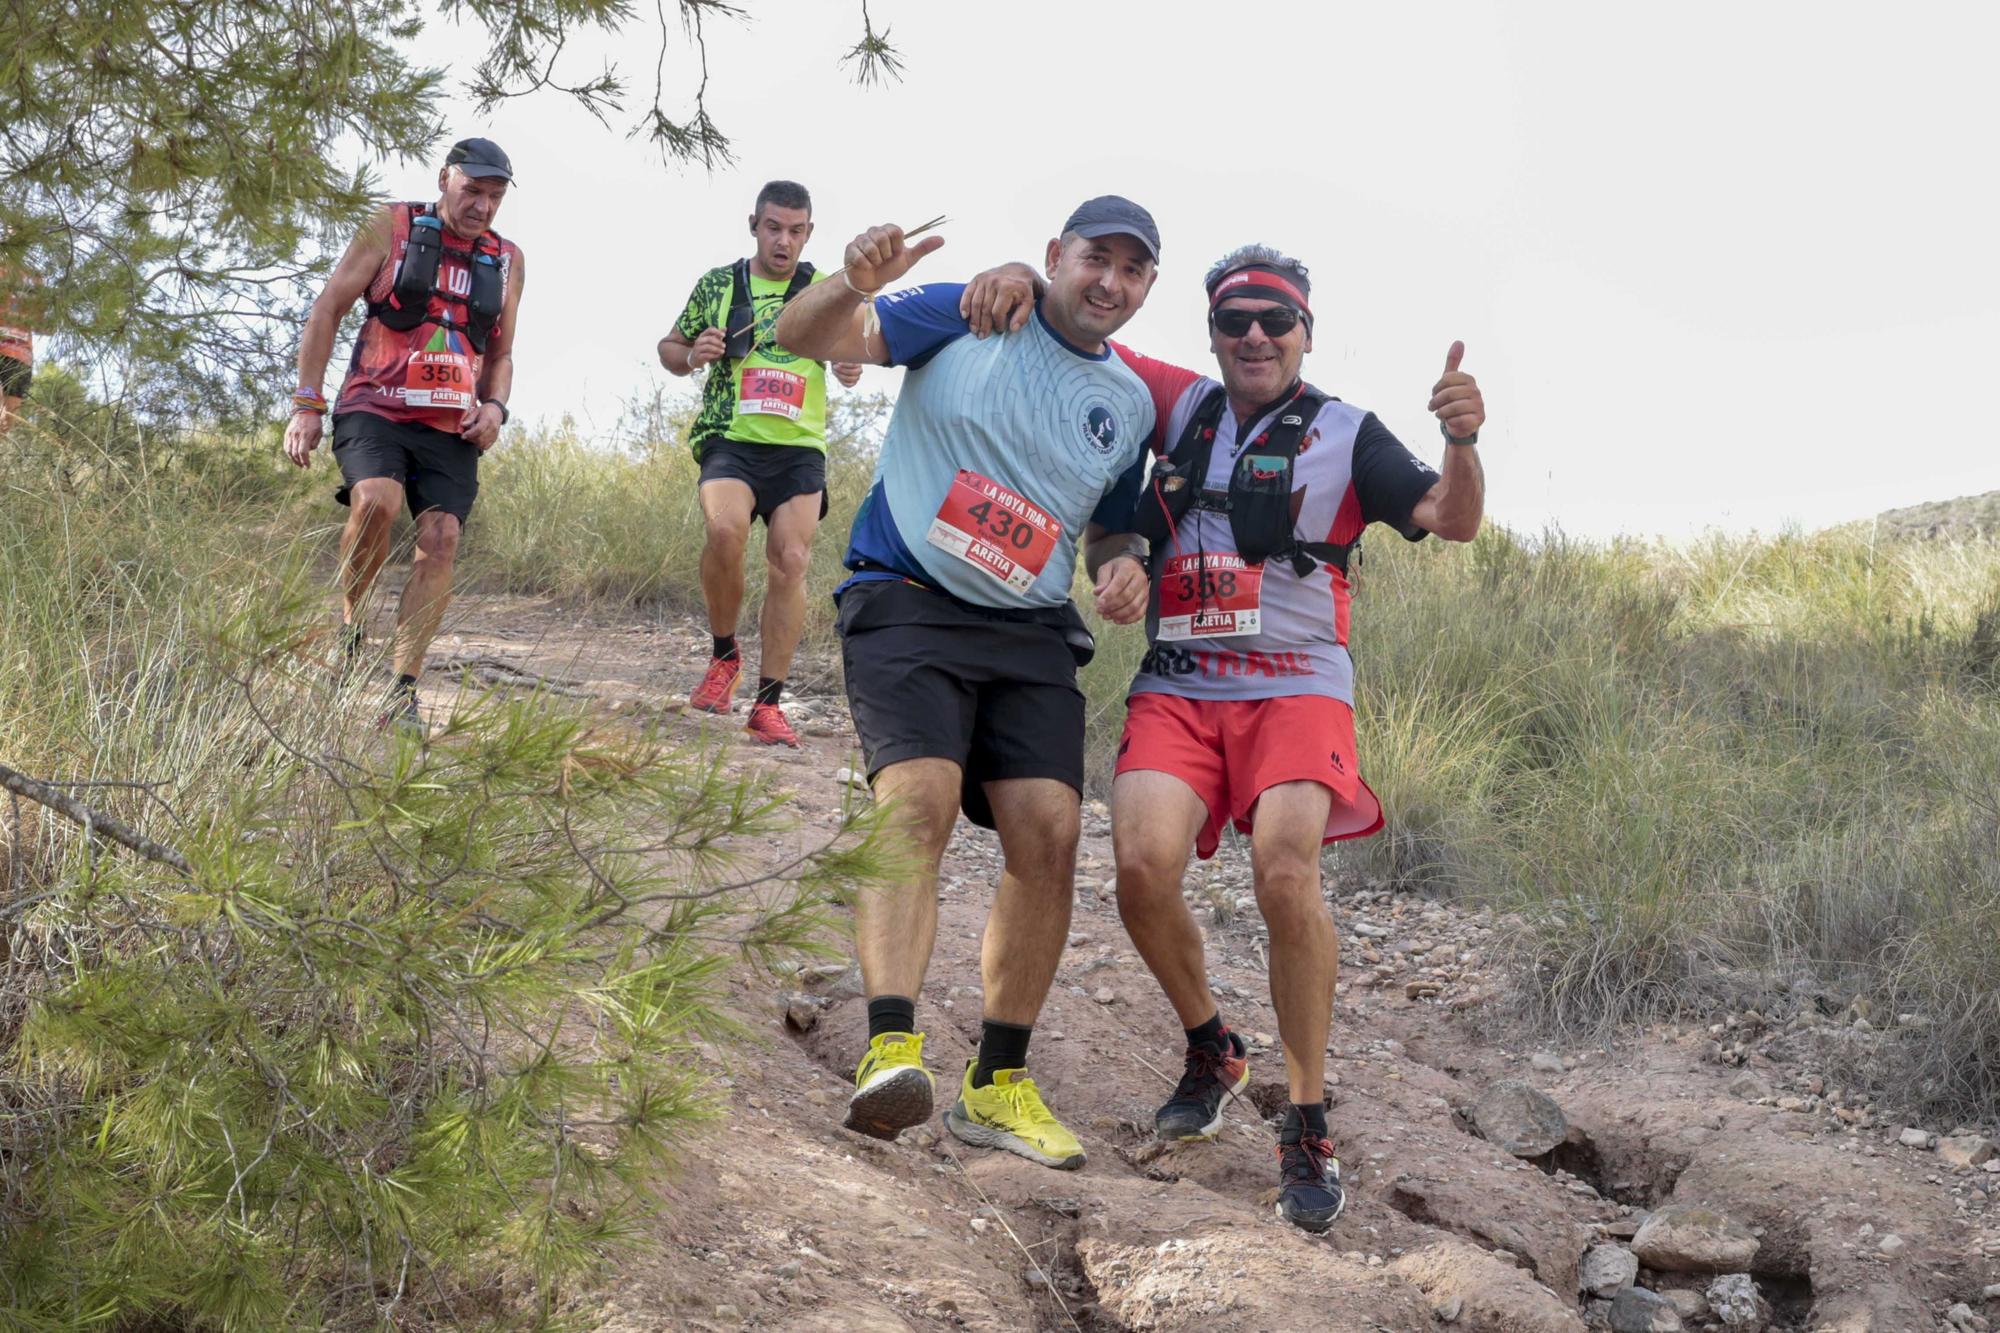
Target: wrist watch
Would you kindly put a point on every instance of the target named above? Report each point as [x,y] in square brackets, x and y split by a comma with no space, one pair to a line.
[496,402]
[1449,438]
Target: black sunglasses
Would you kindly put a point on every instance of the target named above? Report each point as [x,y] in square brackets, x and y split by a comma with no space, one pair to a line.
[1234,322]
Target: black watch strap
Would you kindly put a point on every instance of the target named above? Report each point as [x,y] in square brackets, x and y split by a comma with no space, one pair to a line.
[1449,438]
[500,403]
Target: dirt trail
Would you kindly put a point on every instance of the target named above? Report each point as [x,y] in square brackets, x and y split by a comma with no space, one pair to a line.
[782,1220]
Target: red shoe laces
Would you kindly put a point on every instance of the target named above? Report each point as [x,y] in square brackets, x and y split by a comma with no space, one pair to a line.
[1316,1151]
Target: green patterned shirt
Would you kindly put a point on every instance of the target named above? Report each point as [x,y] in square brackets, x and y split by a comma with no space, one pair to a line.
[770,396]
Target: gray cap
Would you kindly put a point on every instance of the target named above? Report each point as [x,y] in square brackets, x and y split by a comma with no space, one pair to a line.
[480,157]
[1113,215]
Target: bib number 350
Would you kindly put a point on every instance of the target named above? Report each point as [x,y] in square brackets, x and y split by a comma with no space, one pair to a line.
[438,379]
[995,530]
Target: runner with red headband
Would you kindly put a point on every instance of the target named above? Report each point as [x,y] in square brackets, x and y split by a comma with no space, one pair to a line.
[1242,709]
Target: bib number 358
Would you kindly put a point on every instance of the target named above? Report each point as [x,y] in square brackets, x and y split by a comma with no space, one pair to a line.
[1215,595]
[995,530]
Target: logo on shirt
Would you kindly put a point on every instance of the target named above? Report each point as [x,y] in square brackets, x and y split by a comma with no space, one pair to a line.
[1100,428]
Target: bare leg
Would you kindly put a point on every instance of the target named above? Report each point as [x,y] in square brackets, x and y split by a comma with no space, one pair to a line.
[1154,819]
[788,553]
[1288,826]
[726,507]
[364,543]
[1039,824]
[895,928]
[10,412]
[428,592]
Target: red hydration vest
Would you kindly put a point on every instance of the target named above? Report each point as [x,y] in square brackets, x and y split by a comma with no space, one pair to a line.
[16,342]
[427,371]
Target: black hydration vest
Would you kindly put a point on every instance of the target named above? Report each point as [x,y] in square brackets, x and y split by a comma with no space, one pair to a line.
[409,302]
[1259,498]
[742,326]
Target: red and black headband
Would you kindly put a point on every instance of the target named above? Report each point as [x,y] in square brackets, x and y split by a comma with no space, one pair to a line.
[1261,281]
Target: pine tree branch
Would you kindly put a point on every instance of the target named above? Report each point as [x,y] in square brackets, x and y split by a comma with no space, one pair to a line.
[94,821]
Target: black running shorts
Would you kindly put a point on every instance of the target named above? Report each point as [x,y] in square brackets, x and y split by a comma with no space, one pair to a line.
[774,473]
[438,470]
[932,677]
[15,377]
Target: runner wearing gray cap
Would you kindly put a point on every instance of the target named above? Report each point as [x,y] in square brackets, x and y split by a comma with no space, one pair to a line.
[425,393]
[959,640]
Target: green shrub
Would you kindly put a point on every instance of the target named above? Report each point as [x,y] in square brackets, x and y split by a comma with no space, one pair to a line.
[409,1038]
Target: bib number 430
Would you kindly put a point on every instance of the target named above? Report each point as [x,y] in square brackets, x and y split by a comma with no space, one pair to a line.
[995,530]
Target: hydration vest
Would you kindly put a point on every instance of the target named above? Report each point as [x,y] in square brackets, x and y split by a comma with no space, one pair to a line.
[409,301]
[742,326]
[1259,498]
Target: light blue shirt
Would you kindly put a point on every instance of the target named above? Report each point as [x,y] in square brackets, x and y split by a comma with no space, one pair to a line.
[1061,428]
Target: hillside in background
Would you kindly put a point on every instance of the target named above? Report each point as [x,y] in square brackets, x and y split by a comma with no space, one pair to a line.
[1955,520]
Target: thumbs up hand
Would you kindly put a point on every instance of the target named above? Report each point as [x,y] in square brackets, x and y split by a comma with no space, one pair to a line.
[1455,399]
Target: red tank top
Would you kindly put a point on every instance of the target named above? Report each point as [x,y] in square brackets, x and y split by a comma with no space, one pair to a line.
[16,343]
[428,374]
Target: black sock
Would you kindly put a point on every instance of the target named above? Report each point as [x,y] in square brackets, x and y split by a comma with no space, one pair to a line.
[406,684]
[768,690]
[1001,1046]
[891,1013]
[1311,1119]
[725,646]
[1209,1034]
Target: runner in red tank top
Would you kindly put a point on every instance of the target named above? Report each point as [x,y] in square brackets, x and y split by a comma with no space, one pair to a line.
[17,359]
[425,393]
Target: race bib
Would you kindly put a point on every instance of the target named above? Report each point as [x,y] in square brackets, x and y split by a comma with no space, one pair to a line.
[1209,596]
[772,393]
[997,532]
[438,380]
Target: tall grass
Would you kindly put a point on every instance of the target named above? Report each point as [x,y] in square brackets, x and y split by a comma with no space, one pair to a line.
[1738,761]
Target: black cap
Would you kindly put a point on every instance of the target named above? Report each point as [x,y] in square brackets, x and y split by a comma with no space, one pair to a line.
[480,157]
[1112,215]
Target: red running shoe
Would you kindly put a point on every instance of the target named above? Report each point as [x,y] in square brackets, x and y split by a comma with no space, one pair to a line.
[768,726]
[717,690]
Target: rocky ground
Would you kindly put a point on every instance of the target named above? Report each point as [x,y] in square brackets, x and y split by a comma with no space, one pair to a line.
[1696,1177]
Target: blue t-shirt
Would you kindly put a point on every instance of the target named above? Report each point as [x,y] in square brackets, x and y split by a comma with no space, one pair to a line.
[1055,433]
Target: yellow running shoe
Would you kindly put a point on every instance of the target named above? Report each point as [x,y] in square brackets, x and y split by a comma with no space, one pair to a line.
[892,1089]
[1010,1114]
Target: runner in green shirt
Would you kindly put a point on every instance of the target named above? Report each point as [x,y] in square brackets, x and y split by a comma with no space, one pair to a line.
[761,441]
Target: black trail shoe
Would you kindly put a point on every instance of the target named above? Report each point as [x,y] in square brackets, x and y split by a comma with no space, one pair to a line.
[401,713]
[1210,1079]
[1309,1193]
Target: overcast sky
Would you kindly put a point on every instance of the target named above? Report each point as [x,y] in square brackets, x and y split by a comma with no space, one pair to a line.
[1715,265]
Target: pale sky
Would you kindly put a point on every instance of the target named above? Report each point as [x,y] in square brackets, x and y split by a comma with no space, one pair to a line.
[1715,265]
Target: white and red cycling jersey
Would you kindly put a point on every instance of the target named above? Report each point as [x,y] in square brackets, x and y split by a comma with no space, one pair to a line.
[1218,636]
